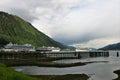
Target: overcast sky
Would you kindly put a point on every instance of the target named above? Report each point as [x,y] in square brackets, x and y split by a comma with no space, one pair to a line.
[84,23]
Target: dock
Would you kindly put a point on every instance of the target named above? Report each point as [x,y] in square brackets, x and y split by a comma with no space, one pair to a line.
[60,54]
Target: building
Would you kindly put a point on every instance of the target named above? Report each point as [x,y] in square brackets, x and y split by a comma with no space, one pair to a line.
[82,49]
[48,49]
[18,48]
[54,49]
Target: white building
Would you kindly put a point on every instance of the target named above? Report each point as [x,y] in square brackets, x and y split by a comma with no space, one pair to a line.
[82,49]
[54,49]
[48,49]
[19,48]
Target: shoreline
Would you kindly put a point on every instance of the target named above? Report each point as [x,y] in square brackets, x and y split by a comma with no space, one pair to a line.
[118,73]
[12,63]
[10,74]
[50,63]
[62,77]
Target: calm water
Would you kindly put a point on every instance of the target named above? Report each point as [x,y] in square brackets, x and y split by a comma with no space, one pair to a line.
[97,71]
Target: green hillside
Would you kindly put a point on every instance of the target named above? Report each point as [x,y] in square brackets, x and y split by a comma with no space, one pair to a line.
[16,30]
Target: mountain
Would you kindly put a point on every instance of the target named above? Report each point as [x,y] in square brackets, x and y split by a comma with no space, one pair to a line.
[16,30]
[93,49]
[111,47]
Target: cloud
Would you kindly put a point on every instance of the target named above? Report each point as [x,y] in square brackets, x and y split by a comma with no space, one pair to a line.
[19,8]
[98,43]
[98,20]
[71,21]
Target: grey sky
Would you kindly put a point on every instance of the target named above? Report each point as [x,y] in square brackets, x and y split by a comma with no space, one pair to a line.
[90,23]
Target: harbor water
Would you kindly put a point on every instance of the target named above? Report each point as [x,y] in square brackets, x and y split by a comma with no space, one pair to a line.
[96,71]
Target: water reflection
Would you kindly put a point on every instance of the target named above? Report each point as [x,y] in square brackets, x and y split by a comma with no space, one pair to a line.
[97,71]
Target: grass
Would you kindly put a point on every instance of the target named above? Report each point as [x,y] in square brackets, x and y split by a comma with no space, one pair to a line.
[9,74]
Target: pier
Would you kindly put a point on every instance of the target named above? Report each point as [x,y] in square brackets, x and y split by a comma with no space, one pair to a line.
[56,55]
